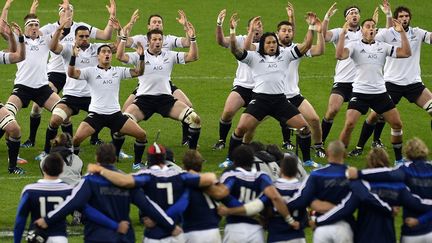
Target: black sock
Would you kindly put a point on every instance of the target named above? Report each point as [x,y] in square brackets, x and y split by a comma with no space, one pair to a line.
[235,141]
[13,150]
[224,127]
[194,134]
[95,136]
[397,148]
[76,150]
[51,133]
[118,140]
[379,126]
[304,144]
[35,120]
[139,148]
[67,128]
[365,134]
[185,132]
[326,126]
[286,132]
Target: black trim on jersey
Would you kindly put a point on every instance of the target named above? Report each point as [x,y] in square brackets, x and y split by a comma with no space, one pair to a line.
[175,42]
[297,52]
[424,37]
[178,61]
[4,58]
[103,68]
[91,27]
[244,55]
[373,42]
[392,50]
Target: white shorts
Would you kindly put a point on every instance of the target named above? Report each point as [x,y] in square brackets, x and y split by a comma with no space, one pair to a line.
[57,239]
[177,239]
[339,232]
[243,233]
[203,236]
[426,238]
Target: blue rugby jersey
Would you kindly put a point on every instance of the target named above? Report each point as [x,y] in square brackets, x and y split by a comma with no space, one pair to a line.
[165,186]
[417,175]
[38,199]
[244,186]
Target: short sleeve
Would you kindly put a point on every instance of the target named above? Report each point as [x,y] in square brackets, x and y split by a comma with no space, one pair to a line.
[247,57]
[424,35]
[265,181]
[138,38]
[179,57]
[380,36]
[335,36]
[176,41]
[93,32]
[85,73]
[48,29]
[350,48]
[191,180]
[126,73]
[141,179]
[67,49]
[391,50]
[4,58]
[133,58]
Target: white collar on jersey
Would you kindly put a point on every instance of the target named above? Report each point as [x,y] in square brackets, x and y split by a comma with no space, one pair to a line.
[294,180]
[103,68]
[358,28]
[253,170]
[49,181]
[157,167]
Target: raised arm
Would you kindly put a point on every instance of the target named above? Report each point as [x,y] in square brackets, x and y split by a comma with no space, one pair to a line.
[405,50]
[117,178]
[307,43]
[72,71]
[182,19]
[55,45]
[192,54]
[34,6]
[375,16]
[328,34]
[127,28]
[318,49]
[235,50]
[249,38]
[5,11]
[121,43]
[290,13]
[220,38]
[139,68]
[19,54]
[342,52]
[107,32]
[385,7]
[3,24]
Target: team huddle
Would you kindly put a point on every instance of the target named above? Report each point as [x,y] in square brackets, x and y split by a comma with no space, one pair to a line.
[261,187]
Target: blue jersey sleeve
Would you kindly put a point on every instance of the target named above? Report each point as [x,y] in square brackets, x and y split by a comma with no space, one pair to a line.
[382,174]
[177,209]
[425,218]
[341,211]
[99,218]
[305,194]
[265,181]
[191,180]
[231,202]
[21,217]
[367,197]
[414,202]
[141,179]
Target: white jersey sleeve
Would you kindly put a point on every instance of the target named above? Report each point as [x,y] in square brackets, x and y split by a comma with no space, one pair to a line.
[124,73]
[141,39]
[171,42]
[133,58]
[179,57]
[4,58]
[84,73]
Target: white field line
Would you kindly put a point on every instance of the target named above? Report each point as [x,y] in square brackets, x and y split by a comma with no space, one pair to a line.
[19,177]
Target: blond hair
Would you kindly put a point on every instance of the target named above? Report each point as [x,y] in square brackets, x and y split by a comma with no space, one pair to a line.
[377,158]
[416,149]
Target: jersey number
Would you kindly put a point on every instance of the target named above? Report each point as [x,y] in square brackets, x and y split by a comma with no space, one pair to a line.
[169,190]
[56,200]
[246,194]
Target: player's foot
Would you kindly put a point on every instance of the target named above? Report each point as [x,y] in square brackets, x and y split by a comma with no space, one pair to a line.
[356,152]
[288,145]
[219,145]
[27,144]
[378,144]
[311,163]
[124,155]
[16,170]
[319,150]
[227,163]
[400,162]
[21,160]
[97,142]
[138,166]
[41,156]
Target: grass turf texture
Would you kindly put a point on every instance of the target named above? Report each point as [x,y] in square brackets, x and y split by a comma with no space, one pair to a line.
[207,82]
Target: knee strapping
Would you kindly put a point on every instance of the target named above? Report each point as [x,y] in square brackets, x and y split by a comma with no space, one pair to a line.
[60,112]
[189,116]
[34,114]
[428,107]
[118,135]
[11,107]
[6,120]
[304,132]
[396,132]
[131,116]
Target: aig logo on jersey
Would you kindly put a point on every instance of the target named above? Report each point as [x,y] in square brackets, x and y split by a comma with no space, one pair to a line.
[85,60]
[272,65]
[157,68]
[34,48]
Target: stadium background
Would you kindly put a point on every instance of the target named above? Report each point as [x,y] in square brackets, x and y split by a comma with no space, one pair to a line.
[207,82]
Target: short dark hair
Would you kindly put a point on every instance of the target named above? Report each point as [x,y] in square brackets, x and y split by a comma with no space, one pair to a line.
[284,22]
[153,15]
[192,160]
[106,154]
[401,9]
[81,27]
[256,146]
[288,165]
[30,16]
[262,41]
[53,164]
[242,156]
[153,32]
[274,150]
[102,46]
[350,7]
[366,20]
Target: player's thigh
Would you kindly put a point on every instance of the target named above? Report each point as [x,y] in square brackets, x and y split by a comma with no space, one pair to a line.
[308,112]
[128,101]
[57,239]
[352,116]
[203,236]
[233,103]
[135,111]
[181,96]
[393,118]
[84,130]
[52,101]
[133,129]
[240,233]
[177,109]
[425,97]
[16,101]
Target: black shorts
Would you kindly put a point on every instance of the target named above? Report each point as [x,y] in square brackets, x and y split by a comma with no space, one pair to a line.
[76,103]
[150,104]
[245,93]
[342,89]
[411,92]
[297,100]
[1,105]
[114,121]
[380,103]
[173,87]
[277,106]
[27,94]
[58,79]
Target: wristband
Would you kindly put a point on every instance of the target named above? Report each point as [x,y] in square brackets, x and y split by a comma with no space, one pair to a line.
[219,22]
[312,27]
[21,39]
[192,39]
[141,58]
[124,41]
[289,219]
[389,15]
[232,31]
[123,38]
[72,61]
[326,17]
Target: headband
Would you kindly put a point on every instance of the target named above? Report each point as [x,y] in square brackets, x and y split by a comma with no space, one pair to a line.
[31,21]
[351,9]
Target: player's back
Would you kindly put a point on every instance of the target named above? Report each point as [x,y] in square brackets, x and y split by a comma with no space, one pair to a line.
[201,213]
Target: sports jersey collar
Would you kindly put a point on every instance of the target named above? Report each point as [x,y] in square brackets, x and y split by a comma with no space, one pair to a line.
[245,171]
[47,181]
[358,28]
[104,68]
[148,51]
[373,42]
[284,180]
[157,167]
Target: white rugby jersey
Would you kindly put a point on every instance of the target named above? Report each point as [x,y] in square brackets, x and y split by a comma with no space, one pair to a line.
[369,60]
[269,72]
[104,87]
[345,69]
[292,77]
[243,76]
[404,71]
[55,63]
[169,42]
[32,71]
[4,57]
[157,71]
[86,58]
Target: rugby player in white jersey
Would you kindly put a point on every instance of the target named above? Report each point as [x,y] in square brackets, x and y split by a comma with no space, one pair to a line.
[402,76]
[154,92]
[56,70]
[268,66]
[155,22]
[369,89]
[104,110]
[8,124]
[241,93]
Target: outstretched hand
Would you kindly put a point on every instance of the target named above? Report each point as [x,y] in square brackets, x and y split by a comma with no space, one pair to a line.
[234,21]
[182,19]
[310,18]
[221,17]
[330,12]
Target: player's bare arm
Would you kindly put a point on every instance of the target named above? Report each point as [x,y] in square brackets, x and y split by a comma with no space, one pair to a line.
[311,19]
[386,9]
[107,32]
[278,202]
[19,54]
[405,50]
[318,49]
[182,19]
[220,38]
[55,45]
[128,27]
[235,50]
[290,13]
[330,12]
[118,179]
[139,69]
[249,38]
[192,54]
[342,52]
[72,71]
